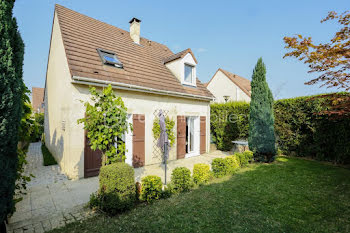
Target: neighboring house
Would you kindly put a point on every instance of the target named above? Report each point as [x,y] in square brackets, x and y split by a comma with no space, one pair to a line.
[147,75]
[38,99]
[226,86]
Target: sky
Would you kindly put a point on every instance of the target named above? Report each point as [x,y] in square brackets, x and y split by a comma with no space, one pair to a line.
[231,35]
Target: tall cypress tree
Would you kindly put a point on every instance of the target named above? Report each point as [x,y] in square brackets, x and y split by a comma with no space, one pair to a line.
[11,88]
[261,122]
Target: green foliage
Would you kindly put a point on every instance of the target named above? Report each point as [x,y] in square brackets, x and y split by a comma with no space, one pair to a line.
[225,166]
[228,121]
[11,88]
[261,121]
[219,167]
[117,188]
[106,122]
[232,164]
[169,124]
[201,173]
[303,132]
[243,158]
[39,120]
[181,180]
[151,188]
[48,158]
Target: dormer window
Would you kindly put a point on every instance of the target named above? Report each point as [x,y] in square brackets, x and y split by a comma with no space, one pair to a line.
[189,73]
[109,58]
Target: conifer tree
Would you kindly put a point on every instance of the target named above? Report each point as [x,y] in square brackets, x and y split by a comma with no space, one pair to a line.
[11,89]
[261,122]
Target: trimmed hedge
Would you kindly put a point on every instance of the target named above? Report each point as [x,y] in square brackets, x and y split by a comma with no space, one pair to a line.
[225,166]
[117,187]
[181,180]
[228,121]
[151,188]
[299,130]
[201,173]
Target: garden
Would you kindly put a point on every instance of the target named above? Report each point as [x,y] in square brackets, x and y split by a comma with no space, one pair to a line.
[288,195]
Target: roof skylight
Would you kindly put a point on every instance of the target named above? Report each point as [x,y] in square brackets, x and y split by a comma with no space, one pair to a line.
[109,58]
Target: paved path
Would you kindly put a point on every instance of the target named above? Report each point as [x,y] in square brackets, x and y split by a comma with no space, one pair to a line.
[53,200]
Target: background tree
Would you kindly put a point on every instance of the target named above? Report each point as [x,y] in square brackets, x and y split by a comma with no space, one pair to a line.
[261,122]
[11,89]
[106,123]
[331,59]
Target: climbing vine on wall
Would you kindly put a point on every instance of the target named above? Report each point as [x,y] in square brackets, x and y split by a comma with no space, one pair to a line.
[169,124]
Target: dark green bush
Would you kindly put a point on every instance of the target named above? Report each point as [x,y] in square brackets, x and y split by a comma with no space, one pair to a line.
[117,187]
[47,156]
[228,121]
[151,188]
[301,131]
[201,173]
[219,167]
[181,180]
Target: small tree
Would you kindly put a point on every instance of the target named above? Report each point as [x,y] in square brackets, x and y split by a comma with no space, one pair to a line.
[105,122]
[261,122]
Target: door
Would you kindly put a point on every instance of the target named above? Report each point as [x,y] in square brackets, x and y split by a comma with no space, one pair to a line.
[92,160]
[138,142]
[181,137]
[203,134]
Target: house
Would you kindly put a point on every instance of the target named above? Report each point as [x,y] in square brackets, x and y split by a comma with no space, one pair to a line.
[147,75]
[226,86]
[38,99]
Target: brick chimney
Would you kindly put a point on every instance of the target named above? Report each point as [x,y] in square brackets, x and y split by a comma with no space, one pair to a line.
[135,30]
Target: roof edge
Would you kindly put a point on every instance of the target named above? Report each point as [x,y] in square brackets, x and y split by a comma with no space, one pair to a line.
[124,86]
[183,54]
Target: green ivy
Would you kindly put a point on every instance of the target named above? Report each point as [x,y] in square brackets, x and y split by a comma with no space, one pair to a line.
[106,122]
[169,124]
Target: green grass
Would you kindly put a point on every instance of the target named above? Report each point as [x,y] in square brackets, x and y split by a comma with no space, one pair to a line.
[289,195]
[48,158]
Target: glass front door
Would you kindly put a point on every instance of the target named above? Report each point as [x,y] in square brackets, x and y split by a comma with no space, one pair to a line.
[189,134]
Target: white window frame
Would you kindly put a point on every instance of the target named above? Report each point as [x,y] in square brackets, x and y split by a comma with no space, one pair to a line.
[196,137]
[193,78]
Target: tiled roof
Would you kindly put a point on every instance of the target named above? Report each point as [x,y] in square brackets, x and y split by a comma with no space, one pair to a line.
[179,55]
[242,83]
[37,99]
[143,64]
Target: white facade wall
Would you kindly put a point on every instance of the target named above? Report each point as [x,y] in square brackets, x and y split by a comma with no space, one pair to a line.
[63,107]
[221,86]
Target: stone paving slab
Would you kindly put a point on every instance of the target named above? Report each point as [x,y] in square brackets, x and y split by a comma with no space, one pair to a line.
[56,201]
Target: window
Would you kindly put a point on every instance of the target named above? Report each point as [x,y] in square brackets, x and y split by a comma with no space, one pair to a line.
[109,58]
[189,73]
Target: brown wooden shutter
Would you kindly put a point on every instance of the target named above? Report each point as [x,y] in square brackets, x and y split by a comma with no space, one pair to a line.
[181,137]
[92,159]
[138,140]
[203,135]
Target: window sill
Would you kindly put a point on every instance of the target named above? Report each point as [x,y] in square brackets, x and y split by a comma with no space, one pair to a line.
[189,84]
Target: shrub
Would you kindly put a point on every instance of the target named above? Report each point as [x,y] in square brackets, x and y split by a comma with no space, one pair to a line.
[151,188]
[167,191]
[232,164]
[249,155]
[94,200]
[117,187]
[228,121]
[181,180]
[219,167]
[47,156]
[201,173]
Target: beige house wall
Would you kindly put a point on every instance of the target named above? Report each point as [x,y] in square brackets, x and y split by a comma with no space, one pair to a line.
[63,107]
[221,86]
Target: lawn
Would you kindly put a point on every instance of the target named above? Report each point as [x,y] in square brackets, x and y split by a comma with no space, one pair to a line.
[47,156]
[289,195]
